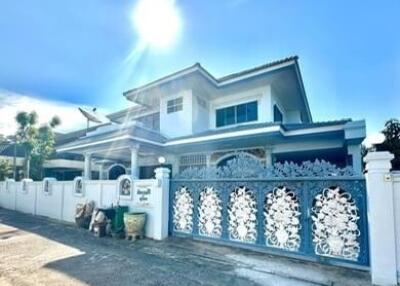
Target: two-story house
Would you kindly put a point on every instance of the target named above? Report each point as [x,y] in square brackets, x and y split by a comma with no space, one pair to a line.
[192,118]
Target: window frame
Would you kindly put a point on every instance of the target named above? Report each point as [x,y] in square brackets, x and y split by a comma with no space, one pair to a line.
[226,109]
[174,105]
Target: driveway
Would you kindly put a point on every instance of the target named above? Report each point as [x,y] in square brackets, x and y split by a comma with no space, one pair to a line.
[39,251]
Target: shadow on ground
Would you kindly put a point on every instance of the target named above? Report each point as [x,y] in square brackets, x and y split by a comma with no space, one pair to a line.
[40,251]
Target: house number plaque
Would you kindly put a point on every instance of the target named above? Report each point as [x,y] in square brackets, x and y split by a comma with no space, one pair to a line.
[143,195]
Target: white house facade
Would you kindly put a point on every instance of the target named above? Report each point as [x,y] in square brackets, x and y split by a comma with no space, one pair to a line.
[193,119]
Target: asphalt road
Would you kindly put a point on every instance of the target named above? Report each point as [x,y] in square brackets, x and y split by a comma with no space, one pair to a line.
[39,251]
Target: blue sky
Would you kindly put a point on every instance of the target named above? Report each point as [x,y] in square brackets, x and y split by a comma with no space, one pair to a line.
[72,52]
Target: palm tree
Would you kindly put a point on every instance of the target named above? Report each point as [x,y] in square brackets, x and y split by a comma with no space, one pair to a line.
[31,137]
[44,146]
[25,135]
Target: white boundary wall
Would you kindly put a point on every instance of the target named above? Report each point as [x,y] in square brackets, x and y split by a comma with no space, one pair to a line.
[383,194]
[396,197]
[149,196]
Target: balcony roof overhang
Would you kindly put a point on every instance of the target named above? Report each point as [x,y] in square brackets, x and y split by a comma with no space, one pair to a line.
[335,134]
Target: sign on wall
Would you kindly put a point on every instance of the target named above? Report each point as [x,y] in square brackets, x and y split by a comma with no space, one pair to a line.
[143,194]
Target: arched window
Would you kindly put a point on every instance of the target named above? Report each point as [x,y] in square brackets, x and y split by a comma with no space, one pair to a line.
[225,159]
[115,171]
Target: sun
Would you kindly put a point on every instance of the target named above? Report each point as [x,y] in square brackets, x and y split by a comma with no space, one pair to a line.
[157,22]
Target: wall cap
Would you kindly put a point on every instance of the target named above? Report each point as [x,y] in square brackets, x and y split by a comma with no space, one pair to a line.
[378,156]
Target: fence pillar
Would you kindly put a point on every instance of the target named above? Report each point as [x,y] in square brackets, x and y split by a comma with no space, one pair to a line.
[381,218]
[87,171]
[161,205]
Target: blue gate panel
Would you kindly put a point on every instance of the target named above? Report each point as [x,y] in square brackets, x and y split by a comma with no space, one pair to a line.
[319,219]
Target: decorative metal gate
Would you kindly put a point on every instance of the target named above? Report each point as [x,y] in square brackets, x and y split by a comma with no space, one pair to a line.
[317,218]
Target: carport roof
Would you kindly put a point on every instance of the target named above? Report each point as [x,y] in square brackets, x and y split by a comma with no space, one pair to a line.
[131,132]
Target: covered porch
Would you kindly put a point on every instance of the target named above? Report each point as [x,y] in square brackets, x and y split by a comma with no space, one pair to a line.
[115,151]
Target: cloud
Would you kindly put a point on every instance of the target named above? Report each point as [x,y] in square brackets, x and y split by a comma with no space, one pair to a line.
[11,103]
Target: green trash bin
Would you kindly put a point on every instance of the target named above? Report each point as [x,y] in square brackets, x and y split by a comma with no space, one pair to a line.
[117,226]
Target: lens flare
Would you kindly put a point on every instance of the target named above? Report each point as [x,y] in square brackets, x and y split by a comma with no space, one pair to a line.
[157,22]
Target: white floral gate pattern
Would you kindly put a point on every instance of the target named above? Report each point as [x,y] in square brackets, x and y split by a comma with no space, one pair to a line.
[335,230]
[282,219]
[183,210]
[242,215]
[210,213]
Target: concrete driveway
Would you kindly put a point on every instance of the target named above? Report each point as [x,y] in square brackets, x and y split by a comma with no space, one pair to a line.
[39,251]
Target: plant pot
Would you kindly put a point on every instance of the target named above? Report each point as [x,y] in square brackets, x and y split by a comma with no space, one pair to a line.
[134,225]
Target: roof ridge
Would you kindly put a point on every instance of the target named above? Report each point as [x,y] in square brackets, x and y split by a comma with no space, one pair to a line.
[263,66]
[221,79]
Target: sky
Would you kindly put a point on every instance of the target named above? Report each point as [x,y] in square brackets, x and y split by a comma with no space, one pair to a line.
[57,55]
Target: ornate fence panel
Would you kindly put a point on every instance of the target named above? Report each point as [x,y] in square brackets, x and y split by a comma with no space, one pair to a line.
[317,218]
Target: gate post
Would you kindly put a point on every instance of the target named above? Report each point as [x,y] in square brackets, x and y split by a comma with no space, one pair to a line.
[381,218]
[161,203]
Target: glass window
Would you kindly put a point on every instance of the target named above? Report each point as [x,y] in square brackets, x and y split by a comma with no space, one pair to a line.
[230,115]
[241,113]
[175,105]
[277,114]
[251,111]
[237,114]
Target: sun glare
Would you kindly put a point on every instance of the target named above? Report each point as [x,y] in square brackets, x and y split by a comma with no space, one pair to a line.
[157,22]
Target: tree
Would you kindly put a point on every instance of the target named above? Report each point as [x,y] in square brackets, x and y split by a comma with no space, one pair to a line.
[38,143]
[5,169]
[26,135]
[392,141]
[43,148]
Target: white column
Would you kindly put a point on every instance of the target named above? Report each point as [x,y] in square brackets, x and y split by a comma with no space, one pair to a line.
[355,152]
[101,172]
[134,162]
[161,204]
[381,218]
[268,156]
[87,171]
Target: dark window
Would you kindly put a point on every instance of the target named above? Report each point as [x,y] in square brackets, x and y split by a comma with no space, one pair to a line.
[147,172]
[115,172]
[241,113]
[237,114]
[175,105]
[277,114]
[251,111]
[226,116]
